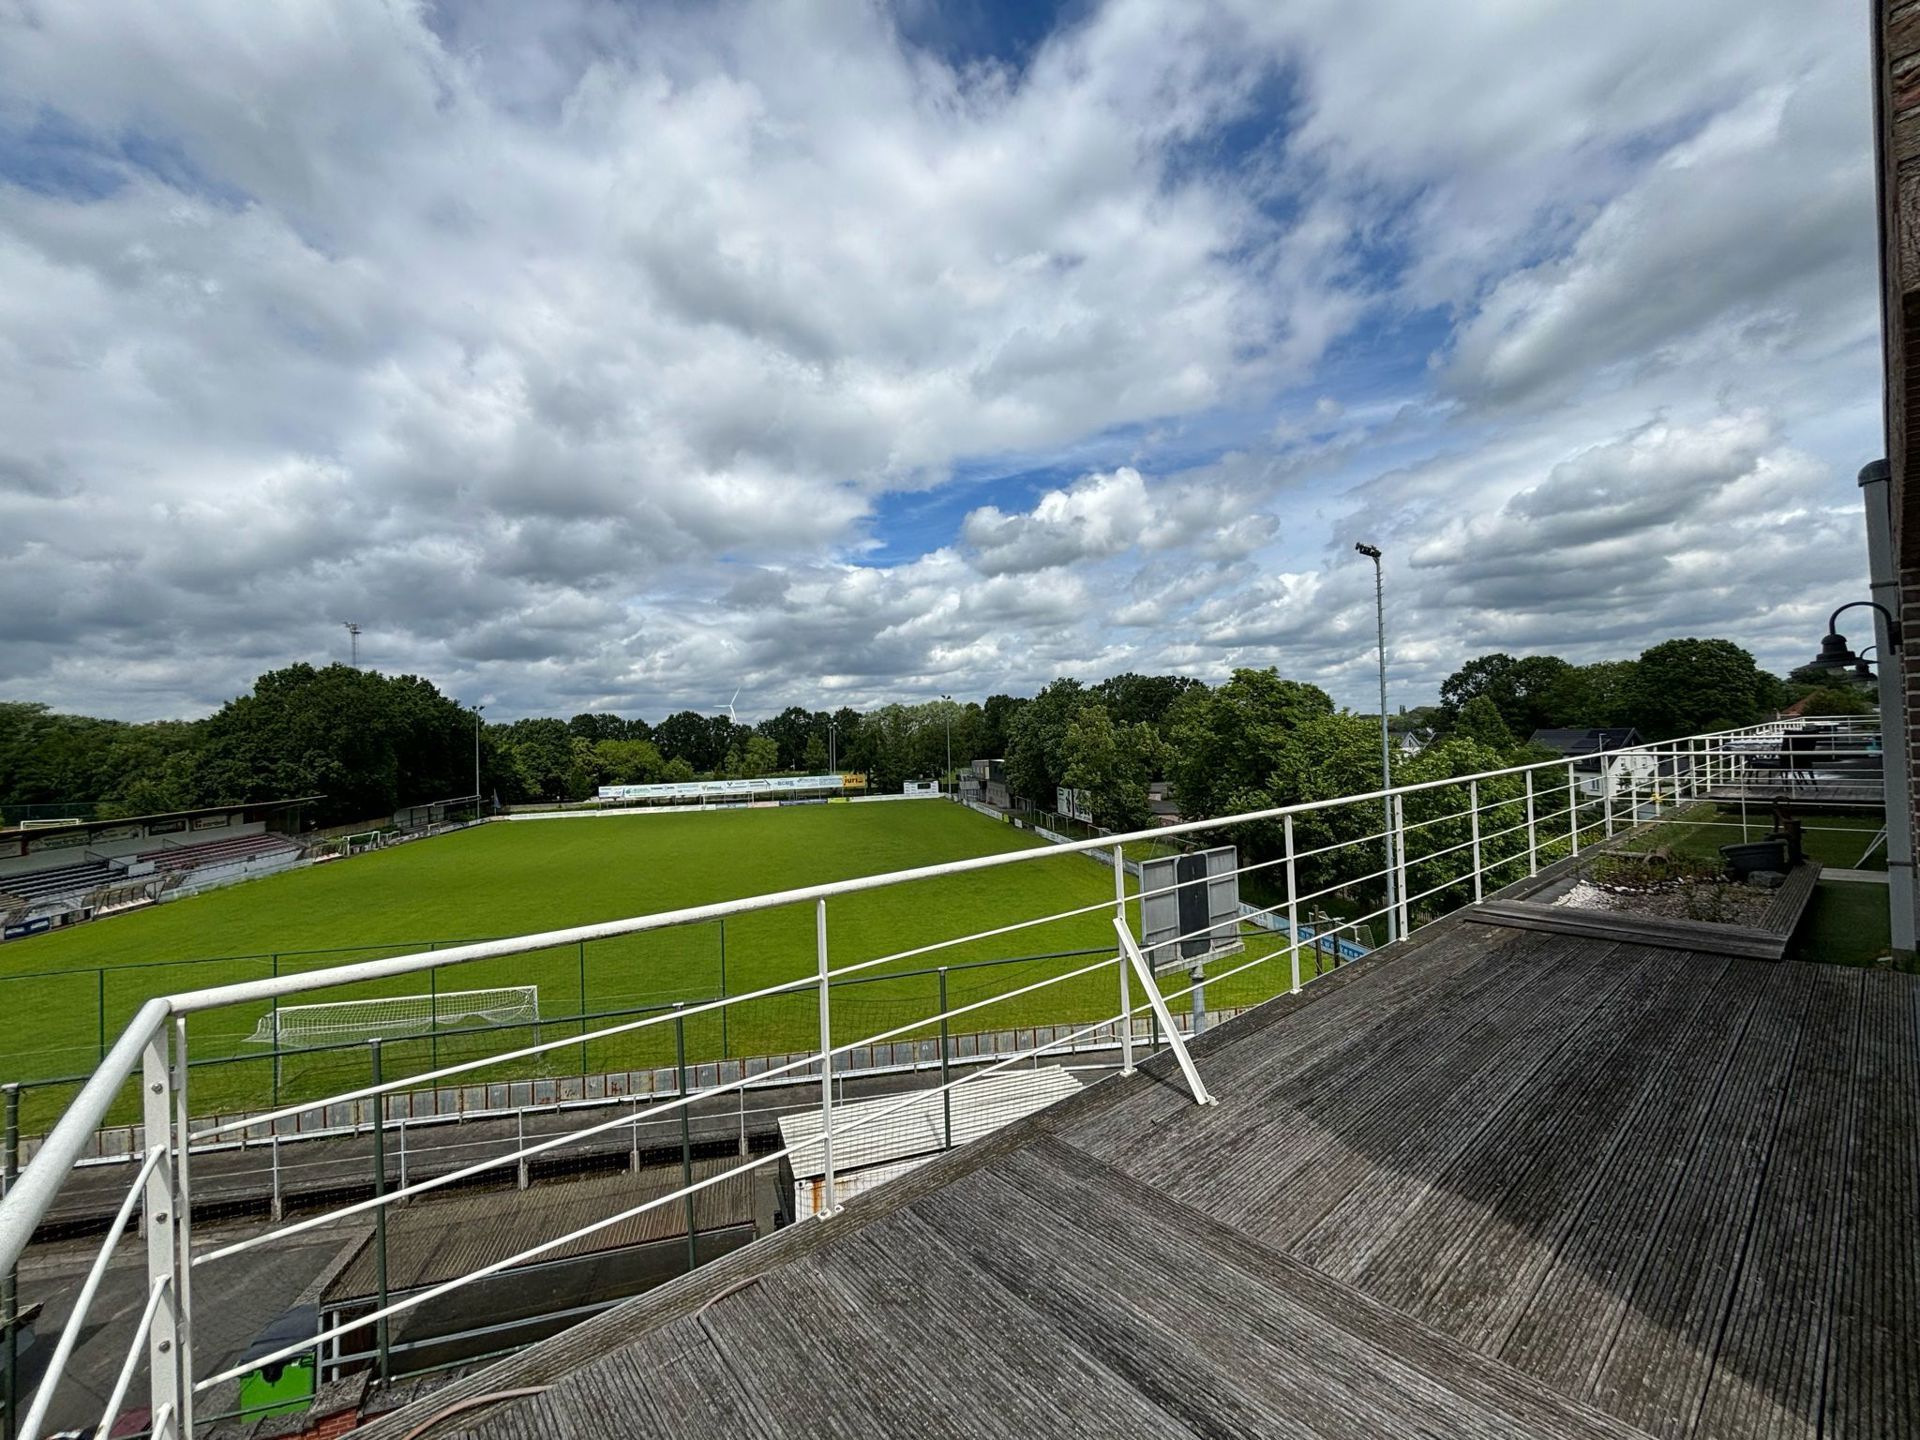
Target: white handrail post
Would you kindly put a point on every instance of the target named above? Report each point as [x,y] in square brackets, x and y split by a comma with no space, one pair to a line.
[1126,982]
[1399,865]
[1606,786]
[827,1193]
[163,1376]
[1573,808]
[1131,951]
[1533,835]
[1293,909]
[1473,809]
[1656,784]
[182,1290]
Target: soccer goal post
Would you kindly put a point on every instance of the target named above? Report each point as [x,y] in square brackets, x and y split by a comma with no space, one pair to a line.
[296,1027]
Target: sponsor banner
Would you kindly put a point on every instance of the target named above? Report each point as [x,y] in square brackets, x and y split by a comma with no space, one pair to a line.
[920,787]
[57,842]
[1074,804]
[739,791]
[12,848]
[165,827]
[853,779]
[212,822]
[118,832]
[27,927]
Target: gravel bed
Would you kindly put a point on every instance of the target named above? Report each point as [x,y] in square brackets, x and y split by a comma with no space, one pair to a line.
[1715,903]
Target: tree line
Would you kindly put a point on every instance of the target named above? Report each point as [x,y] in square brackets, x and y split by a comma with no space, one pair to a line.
[371,743]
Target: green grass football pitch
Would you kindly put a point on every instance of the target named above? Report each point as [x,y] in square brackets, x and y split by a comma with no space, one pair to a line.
[68,992]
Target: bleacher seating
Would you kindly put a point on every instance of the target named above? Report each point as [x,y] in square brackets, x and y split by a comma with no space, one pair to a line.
[42,884]
[216,852]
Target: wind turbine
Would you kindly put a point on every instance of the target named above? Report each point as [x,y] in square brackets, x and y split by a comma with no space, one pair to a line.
[732,718]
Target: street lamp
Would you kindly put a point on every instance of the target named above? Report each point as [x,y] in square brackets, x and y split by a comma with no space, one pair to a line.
[949,716]
[1834,654]
[1372,552]
[476,760]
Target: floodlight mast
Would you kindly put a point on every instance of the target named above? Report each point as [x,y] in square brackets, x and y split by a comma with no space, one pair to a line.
[948,780]
[353,643]
[1372,552]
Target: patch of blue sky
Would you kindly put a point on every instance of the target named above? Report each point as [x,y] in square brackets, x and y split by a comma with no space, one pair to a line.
[50,155]
[966,33]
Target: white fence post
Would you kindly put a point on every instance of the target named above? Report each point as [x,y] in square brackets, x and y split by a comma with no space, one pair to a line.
[1473,803]
[1533,835]
[1399,867]
[1573,808]
[1606,798]
[183,1232]
[1293,909]
[163,1375]
[827,1207]
[1126,983]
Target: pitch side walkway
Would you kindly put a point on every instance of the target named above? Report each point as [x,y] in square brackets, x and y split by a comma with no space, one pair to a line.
[1495,1183]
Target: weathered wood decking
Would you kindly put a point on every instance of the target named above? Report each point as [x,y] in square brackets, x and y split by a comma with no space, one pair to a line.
[1494,1183]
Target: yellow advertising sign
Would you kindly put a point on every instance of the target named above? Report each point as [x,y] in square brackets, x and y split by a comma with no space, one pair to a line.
[852,780]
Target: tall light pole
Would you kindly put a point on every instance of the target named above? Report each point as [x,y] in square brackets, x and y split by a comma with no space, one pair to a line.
[353,643]
[949,714]
[1372,552]
[476,760]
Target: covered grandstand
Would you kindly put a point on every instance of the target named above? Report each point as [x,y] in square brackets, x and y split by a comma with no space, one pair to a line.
[54,874]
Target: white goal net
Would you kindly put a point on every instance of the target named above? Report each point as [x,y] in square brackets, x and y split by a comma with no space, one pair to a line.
[305,1026]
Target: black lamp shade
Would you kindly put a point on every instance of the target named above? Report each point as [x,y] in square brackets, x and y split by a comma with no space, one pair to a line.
[1834,654]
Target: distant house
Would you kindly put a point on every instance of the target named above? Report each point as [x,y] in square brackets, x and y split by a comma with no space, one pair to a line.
[1608,758]
[1412,742]
[1160,802]
[992,777]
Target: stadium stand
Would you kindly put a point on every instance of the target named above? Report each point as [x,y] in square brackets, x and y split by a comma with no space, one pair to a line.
[65,880]
[216,852]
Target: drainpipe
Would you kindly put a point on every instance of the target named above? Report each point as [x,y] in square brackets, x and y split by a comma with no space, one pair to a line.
[1876,484]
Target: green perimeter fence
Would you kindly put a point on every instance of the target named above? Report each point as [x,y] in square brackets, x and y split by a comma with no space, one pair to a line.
[232,1077]
[58,1024]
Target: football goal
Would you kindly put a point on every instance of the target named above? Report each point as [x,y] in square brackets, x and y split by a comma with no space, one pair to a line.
[296,1027]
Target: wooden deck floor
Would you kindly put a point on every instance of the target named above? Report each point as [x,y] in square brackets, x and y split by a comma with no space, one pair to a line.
[1496,1183]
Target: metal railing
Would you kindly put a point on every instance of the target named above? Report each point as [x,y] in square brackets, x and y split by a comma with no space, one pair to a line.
[1446,843]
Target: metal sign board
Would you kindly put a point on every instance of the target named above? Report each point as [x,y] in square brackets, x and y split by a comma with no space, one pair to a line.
[1190,908]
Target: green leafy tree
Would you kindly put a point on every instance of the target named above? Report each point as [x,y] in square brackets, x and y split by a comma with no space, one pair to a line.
[996,721]
[1143,699]
[1591,697]
[366,741]
[1113,764]
[752,757]
[813,759]
[1521,689]
[1684,687]
[790,731]
[1826,700]
[627,762]
[1223,743]
[1480,724]
[1037,740]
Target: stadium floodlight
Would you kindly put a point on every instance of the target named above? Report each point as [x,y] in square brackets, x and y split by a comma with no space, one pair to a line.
[477,711]
[949,714]
[307,1027]
[1372,552]
[353,643]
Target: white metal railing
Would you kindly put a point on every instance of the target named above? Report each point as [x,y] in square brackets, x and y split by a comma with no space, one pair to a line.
[1399,856]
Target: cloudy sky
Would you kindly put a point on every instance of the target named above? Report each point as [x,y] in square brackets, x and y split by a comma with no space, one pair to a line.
[611,355]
